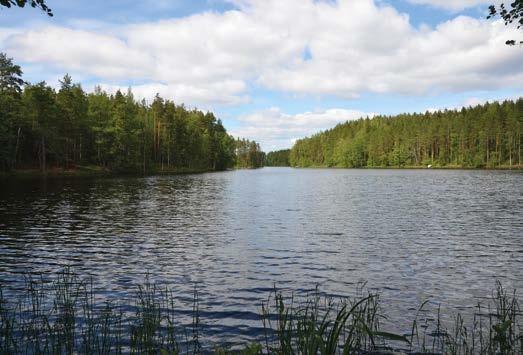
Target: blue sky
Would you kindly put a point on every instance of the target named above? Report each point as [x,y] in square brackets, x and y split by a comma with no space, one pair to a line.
[273,70]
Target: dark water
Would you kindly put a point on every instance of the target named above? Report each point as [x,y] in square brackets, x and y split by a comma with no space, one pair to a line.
[411,234]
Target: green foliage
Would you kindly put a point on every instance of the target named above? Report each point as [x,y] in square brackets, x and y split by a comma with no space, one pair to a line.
[248,154]
[509,14]
[10,110]
[278,158]
[65,314]
[251,349]
[322,326]
[10,75]
[40,109]
[485,136]
[68,129]
[21,3]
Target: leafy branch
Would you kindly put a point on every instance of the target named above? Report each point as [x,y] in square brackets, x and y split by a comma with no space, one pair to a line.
[21,3]
[511,15]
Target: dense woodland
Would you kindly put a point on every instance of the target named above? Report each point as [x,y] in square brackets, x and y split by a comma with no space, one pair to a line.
[278,158]
[44,128]
[485,136]
[248,154]
[69,128]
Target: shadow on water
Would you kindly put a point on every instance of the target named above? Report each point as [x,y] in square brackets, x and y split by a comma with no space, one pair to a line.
[413,235]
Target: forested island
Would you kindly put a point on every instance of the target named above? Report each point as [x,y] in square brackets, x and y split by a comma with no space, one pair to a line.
[44,129]
[484,136]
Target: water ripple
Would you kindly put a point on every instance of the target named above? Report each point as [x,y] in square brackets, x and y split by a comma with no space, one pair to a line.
[234,236]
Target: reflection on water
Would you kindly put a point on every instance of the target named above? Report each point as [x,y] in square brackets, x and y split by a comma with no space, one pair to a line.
[412,234]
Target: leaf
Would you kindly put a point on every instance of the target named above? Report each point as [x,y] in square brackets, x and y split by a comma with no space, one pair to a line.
[502,327]
[391,336]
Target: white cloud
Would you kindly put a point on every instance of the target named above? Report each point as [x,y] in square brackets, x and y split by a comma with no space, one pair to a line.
[275,130]
[355,46]
[475,101]
[6,33]
[105,56]
[224,93]
[365,48]
[455,5]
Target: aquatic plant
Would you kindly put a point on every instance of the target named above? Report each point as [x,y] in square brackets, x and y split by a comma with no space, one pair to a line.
[66,316]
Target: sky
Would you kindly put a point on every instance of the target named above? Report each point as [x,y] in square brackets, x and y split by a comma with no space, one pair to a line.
[274,70]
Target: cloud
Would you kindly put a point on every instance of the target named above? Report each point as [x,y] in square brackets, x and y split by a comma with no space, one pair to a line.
[475,101]
[362,48]
[455,5]
[275,130]
[105,56]
[224,93]
[6,33]
[353,47]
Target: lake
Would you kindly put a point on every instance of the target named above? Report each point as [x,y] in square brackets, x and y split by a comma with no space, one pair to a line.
[412,235]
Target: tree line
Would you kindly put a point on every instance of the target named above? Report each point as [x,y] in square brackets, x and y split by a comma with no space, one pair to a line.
[484,136]
[41,127]
[278,158]
[248,154]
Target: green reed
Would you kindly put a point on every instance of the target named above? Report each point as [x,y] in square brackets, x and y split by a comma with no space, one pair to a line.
[323,325]
[65,316]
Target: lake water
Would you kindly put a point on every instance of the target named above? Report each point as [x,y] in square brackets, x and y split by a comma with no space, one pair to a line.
[443,235]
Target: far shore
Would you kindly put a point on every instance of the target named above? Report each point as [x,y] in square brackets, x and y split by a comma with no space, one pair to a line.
[96,171]
[414,167]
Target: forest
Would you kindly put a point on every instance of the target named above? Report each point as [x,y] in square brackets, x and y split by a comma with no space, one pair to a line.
[484,136]
[248,154]
[43,128]
[278,158]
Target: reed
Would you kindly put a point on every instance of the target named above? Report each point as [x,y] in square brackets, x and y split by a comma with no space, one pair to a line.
[66,316]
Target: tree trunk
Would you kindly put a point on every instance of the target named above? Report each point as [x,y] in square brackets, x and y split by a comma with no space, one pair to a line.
[43,155]
[487,151]
[519,149]
[16,146]
[144,157]
[154,140]
[99,158]
[158,143]
[66,153]
[168,155]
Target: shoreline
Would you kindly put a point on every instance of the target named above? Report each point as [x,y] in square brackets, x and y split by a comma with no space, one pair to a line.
[450,167]
[95,172]
[98,172]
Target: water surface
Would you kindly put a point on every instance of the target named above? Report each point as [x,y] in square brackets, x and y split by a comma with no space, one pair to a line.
[444,235]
